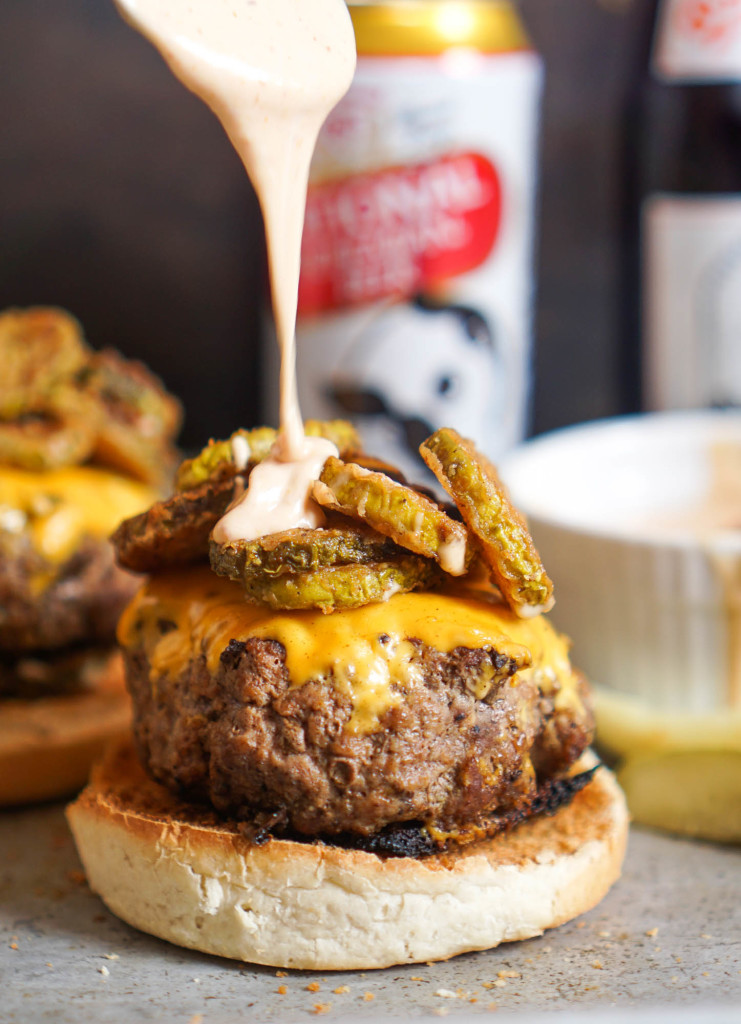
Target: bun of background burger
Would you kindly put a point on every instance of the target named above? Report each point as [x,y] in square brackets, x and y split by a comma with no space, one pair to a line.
[86,439]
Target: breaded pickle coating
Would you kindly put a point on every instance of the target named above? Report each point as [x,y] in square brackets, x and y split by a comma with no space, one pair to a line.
[217,459]
[300,550]
[39,347]
[46,440]
[131,392]
[138,419]
[395,510]
[506,545]
[174,531]
[376,465]
[342,586]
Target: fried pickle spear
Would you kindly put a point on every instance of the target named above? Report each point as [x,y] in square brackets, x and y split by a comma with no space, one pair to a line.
[300,550]
[247,447]
[395,510]
[175,531]
[342,586]
[39,347]
[506,545]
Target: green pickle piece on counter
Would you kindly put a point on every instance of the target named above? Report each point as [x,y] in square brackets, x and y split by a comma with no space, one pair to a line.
[343,586]
[505,542]
[217,458]
[395,510]
[300,550]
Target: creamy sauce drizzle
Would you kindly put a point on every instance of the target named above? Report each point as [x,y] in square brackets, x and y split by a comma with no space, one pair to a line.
[271,71]
[278,497]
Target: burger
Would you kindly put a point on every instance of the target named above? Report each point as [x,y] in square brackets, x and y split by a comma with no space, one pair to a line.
[358,742]
[85,439]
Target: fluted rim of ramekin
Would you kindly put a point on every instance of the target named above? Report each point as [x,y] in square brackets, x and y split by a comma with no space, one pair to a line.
[525,458]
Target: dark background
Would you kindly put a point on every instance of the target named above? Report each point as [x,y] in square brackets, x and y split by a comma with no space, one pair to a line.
[122,200]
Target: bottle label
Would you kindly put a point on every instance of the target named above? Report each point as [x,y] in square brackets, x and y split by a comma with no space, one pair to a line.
[698,41]
[692,309]
[398,231]
[415,296]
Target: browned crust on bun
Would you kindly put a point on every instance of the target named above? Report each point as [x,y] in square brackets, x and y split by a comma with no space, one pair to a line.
[180,872]
[48,744]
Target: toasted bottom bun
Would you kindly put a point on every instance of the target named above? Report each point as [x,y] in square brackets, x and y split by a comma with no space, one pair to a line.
[48,744]
[181,873]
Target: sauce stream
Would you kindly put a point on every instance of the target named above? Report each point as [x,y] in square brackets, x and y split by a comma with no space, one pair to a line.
[271,71]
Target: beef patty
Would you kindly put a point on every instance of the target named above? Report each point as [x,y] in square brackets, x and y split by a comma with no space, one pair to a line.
[249,743]
[46,606]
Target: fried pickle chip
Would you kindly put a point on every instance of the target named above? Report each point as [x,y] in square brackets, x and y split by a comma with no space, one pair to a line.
[300,550]
[137,419]
[247,447]
[39,347]
[507,547]
[44,440]
[395,510]
[342,586]
[174,531]
[221,459]
[376,466]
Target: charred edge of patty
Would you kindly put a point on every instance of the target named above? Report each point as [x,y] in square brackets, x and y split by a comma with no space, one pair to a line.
[412,839]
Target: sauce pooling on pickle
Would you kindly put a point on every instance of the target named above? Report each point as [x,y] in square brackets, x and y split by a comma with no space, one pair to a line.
[271,70]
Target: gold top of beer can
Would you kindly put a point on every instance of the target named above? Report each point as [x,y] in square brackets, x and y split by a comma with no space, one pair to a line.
[430,27]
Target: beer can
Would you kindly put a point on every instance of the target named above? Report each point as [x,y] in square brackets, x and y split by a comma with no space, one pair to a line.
[416,282]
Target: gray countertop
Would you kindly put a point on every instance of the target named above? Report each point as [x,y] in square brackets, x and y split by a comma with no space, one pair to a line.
[667,937]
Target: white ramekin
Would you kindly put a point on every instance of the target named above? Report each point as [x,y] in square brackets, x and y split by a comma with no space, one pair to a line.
[653,614]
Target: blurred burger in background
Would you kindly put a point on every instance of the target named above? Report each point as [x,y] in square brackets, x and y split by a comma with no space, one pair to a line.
[86,439]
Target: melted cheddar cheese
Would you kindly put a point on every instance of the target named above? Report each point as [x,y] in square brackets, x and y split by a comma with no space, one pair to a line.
[365,652]
[57,509]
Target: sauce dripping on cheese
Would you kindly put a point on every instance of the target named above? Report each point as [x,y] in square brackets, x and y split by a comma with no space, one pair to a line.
[365,652]
[271,71]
